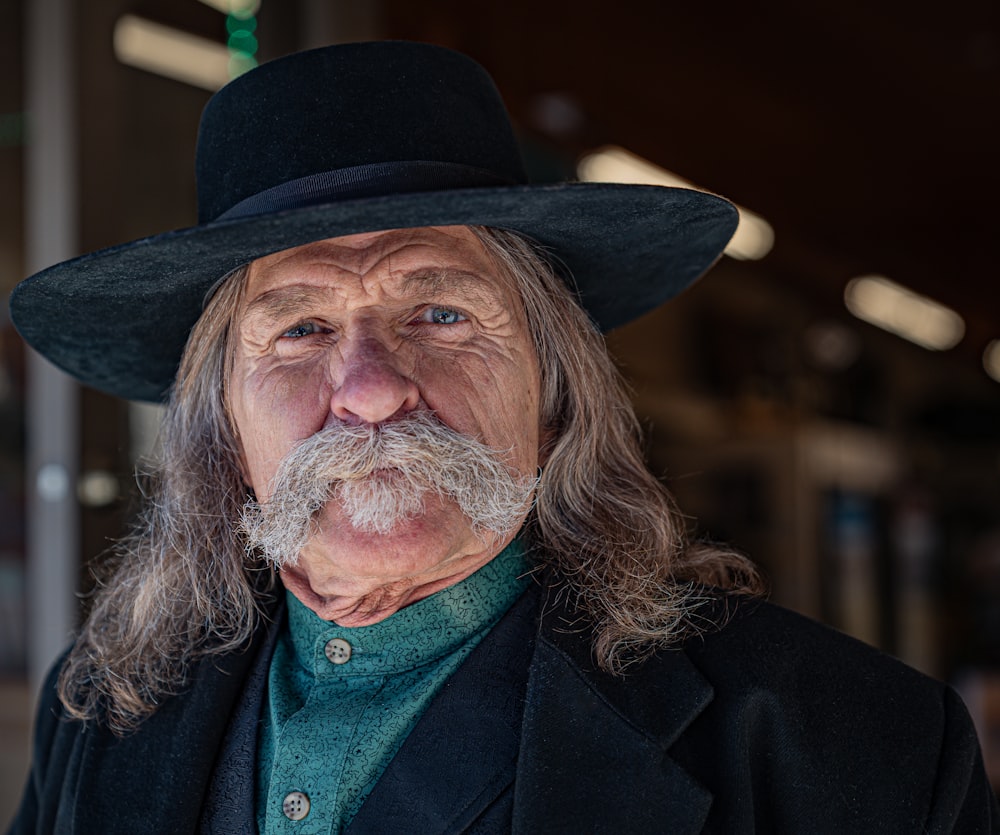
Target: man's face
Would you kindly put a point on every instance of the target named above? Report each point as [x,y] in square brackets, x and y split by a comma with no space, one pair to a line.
[366,329]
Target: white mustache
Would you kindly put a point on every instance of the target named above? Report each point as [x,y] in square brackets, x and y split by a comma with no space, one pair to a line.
[381,474]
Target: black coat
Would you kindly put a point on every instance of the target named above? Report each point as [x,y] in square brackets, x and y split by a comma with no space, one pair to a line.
[771,723]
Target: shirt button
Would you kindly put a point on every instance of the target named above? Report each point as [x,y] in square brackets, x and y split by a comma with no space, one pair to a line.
[338,651]
[295,806]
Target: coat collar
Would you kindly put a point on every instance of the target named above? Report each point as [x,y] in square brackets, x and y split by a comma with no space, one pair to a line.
[594,747]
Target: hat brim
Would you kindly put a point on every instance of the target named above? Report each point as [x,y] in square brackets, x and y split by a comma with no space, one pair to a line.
[118,319]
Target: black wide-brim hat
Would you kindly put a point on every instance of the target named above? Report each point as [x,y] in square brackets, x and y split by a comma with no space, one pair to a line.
[348,139]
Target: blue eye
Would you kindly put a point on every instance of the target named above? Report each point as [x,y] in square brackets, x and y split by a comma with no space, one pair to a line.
[303,329]
[443,316]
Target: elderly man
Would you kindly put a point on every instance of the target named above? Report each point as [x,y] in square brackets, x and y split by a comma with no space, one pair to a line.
[401,567]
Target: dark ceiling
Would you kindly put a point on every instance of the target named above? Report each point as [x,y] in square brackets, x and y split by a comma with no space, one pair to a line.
[865,132]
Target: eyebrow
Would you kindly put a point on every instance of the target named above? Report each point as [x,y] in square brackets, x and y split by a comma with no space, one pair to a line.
[436,280]
[281,303]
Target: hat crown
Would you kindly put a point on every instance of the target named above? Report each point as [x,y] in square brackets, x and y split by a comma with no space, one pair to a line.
[342,107]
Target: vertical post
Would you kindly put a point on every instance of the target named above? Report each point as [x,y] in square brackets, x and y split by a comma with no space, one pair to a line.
[52,400]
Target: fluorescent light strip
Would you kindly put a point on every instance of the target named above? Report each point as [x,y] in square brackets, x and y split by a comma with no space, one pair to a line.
[171,53]
[894,308]
[240,8]
[754,236]
[991,359]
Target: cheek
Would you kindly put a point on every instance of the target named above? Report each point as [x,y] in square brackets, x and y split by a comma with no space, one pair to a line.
[493,401]
[521,425]
[272,412]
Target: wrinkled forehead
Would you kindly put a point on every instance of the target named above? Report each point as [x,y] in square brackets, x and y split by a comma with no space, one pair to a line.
[424,253]
[374,258]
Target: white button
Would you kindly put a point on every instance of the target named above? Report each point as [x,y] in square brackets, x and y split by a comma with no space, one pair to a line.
[295,806]
[338,651]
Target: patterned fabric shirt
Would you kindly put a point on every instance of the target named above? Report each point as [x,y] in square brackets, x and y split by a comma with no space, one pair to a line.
[341,701]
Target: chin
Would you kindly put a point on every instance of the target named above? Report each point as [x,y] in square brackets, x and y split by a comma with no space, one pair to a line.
[342,561]
[357,578]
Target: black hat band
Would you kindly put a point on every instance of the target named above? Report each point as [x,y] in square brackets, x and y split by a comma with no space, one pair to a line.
[372,180]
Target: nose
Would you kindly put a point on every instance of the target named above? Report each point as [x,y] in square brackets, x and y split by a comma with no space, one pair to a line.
[372,387]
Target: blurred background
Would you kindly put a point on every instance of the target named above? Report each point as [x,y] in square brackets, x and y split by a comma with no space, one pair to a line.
[827,400]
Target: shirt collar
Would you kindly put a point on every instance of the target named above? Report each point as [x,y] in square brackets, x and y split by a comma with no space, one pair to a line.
[419,633]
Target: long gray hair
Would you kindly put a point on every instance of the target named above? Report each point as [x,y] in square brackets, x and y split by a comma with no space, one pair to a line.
[181,585]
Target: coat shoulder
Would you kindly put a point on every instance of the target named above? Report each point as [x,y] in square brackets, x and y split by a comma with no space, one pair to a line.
[785,724]
[753,643]
[859,733]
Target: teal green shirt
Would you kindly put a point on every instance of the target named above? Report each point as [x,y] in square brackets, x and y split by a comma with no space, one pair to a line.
[341,701]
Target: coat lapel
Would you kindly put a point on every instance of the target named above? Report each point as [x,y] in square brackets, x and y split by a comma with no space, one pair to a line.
[160,773]
[594,747]
[462,754]
[230,804]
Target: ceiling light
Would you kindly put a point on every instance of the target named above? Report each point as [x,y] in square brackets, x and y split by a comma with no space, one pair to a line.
[235,7]
[991,359]
[894,308]
[171,53]
[754,236]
